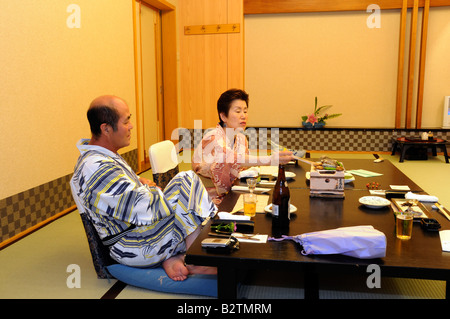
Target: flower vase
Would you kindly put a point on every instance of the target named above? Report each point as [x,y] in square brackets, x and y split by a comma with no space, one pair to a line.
[311,125]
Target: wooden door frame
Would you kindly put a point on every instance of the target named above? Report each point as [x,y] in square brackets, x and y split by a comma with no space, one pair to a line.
[168,108]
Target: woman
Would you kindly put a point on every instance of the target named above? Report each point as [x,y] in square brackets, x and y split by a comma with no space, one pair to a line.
[223,152]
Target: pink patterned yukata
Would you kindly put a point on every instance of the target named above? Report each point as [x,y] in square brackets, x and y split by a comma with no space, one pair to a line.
[219,157]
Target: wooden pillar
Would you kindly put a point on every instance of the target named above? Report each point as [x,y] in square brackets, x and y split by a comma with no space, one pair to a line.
[423,50]
[401,61]
[412,54]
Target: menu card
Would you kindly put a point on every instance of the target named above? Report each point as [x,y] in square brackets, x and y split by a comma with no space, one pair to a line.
[445,240]
[364,173]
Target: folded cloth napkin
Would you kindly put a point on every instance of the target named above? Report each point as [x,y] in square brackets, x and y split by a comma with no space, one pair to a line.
[228,216]
[250,172]
[239,188]
[421,198]
[363,242]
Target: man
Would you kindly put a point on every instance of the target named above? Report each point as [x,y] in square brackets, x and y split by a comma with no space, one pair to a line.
[143,225]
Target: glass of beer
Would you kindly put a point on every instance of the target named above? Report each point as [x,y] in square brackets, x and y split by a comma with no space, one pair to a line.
[250,204]
[404,223]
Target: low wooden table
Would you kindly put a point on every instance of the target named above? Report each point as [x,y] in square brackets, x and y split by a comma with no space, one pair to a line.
[403,143]
[391,175]
[419,257]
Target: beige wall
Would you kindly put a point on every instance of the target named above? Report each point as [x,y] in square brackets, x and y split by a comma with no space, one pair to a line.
[291,58]
[49,75]
[437,75]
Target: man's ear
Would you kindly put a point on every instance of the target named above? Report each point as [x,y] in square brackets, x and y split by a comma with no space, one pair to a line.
[105,128]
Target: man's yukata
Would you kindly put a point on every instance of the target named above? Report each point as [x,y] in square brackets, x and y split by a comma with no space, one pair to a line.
[106,189]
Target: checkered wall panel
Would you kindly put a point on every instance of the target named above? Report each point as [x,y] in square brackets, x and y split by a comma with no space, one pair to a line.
[27,209]
[347,140]
[24,210]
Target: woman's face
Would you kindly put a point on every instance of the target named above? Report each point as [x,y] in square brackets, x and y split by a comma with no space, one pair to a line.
[237,115]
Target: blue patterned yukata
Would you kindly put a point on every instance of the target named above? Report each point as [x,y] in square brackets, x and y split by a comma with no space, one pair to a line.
[151,224]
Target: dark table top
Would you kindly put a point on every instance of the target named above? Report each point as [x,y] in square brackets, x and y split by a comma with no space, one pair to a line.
[419,257]
[391,175]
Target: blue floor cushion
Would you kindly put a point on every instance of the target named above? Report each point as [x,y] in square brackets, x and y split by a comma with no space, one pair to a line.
[156,279]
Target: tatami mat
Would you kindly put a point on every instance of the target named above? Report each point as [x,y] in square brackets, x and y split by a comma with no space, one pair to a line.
[37,265]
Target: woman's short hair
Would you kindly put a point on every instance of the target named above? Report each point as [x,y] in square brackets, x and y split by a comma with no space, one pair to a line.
[225,99]
[99,114]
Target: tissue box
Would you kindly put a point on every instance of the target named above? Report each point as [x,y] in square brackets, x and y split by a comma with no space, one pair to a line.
[326,183]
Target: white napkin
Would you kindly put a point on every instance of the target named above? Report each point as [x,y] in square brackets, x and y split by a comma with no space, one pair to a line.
[250,172]
[228,216]
[421,198]
[245,189]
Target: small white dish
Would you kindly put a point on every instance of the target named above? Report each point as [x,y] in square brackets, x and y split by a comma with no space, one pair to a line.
[268,208]
[374,201]
[348,177]
[289,175]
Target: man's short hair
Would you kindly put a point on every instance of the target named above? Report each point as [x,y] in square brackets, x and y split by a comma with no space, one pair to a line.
[99,114]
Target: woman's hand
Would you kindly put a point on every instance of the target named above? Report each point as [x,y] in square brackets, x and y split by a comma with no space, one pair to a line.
[283,157]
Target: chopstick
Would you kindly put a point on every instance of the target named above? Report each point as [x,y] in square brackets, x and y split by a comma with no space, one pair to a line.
[441,209]
[304,160]
[246,236]
[208,218]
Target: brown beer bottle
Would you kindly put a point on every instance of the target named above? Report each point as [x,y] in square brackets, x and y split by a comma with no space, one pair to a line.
[280,204]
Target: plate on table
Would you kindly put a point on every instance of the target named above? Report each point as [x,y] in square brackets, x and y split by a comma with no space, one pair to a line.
[348,177]
[288,175]
[374,201]
[268,208]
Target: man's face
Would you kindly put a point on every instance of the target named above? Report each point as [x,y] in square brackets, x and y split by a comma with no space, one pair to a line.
[122,136]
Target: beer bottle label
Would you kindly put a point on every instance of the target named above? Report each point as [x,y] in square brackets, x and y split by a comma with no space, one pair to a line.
[289,209]
[275,210]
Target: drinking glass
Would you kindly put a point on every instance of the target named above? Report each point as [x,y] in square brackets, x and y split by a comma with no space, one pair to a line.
[250,204]
[251,183]
[404,223]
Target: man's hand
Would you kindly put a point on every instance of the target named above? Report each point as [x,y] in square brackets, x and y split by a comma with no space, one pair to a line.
[146,181]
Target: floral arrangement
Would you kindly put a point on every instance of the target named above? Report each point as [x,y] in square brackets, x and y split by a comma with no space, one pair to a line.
[315,119]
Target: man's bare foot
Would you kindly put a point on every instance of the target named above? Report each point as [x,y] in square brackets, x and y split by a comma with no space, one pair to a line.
[204,270]
[175,268]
